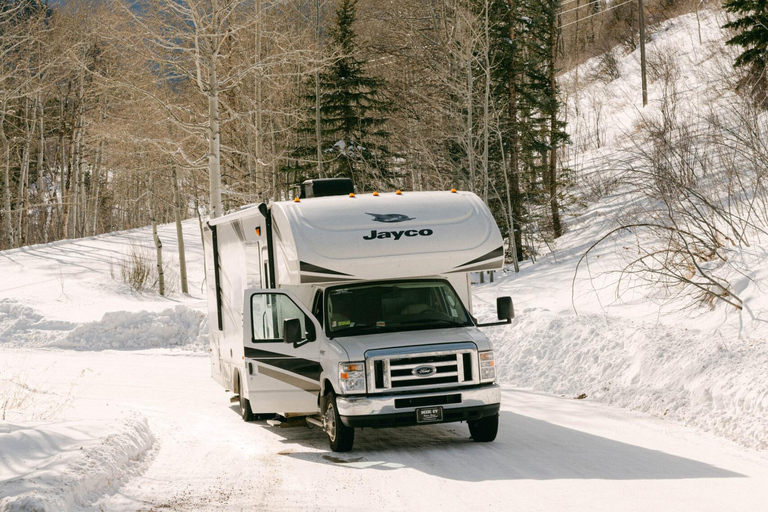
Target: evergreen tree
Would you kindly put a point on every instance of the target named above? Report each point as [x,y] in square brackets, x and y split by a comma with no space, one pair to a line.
[353,113]
[522,59]
[752,28]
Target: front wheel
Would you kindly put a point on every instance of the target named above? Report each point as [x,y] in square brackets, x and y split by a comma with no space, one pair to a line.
[340,436]
[485,429]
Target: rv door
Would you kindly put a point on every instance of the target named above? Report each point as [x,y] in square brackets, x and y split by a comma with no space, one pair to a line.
[282,377]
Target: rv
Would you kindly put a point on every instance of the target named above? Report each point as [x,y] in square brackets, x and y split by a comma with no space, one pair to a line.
[355,310]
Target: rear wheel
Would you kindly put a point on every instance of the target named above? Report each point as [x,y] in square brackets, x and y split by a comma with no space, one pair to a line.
[341,437]
[485,429]
[245,405]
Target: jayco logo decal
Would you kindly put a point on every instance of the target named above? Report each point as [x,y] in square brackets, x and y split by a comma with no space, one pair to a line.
[397,235]
[390,217]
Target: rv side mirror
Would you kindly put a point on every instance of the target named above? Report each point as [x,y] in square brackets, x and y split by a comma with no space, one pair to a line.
[292,331]
[504,308]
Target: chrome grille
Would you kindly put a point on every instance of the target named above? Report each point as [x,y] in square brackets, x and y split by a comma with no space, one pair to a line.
[424,367]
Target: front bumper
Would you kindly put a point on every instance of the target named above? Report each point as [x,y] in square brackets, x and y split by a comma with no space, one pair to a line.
[463,404]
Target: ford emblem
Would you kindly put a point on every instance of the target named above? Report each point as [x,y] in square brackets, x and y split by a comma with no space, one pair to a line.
[424,371]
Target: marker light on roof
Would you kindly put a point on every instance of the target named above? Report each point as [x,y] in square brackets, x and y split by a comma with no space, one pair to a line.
[375,194]
[296,200]
[351,194]
[453,190]
[399,192]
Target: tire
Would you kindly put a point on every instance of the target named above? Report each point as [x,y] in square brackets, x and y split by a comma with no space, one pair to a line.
[245,405]
[485,429]
[341,437]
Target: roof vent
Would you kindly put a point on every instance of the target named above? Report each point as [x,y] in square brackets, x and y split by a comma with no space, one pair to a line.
[327,187]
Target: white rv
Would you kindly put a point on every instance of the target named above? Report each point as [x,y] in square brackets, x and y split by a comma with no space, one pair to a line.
[355,310]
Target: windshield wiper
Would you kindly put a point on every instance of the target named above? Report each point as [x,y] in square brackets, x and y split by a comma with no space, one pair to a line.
[452,323]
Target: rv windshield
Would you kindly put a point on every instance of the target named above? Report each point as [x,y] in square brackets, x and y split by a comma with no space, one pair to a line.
[393,306]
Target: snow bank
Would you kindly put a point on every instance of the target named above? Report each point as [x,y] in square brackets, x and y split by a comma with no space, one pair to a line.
[715,384]
[180,327]
[53,467]
[21,325]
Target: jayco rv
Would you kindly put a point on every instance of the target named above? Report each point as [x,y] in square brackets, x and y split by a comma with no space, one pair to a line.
[355,310]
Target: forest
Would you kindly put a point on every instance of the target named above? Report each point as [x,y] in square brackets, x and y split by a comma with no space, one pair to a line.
[116,114]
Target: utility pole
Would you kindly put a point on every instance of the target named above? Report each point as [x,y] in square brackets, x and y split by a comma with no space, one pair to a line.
[641,19]
[318,130]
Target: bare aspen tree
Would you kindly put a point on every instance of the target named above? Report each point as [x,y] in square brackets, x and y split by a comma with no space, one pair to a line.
[486,97]
[177,208]
[158,243]
[6,149]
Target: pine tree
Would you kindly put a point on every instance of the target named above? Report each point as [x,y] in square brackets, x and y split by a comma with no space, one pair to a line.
[752,28]
[353,112]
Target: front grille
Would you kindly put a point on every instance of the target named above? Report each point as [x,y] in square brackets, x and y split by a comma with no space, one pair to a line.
[421,368]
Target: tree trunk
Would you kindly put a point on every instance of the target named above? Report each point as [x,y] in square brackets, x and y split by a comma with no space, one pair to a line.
[510,212]
[96,188]
[30,124]
[202,235]
[73,182]
[214,143]
[179,232]
[513,171]
[486,102]
[258,157]
[557,227]
[6,180]
[44,207]
[156,238]
[470,121]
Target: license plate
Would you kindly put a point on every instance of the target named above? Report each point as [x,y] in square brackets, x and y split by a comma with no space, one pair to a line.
[429,414]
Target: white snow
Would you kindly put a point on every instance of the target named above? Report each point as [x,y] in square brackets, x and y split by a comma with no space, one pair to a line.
[56,466]
[631,346]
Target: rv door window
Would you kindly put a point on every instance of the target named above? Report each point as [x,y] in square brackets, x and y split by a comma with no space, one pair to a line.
[268,311]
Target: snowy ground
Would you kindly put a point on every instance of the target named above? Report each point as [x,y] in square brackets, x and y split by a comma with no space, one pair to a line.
[106,401]
[552,453]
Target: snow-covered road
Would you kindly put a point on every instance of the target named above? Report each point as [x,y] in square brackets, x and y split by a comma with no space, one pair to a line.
[551,454]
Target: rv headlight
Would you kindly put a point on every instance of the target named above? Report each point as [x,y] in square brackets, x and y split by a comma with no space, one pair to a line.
[487,366]
[352,377]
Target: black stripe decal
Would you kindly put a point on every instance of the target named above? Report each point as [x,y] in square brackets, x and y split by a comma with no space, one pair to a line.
[308,267]
[487,266]
[304,367]
[320,279]
[288,379]
[493,254]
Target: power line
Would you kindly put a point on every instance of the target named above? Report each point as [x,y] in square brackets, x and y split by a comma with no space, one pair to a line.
[597,13]
[587,2]
[576,8]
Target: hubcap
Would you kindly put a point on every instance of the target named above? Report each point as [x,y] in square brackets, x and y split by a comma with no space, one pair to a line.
[330,422]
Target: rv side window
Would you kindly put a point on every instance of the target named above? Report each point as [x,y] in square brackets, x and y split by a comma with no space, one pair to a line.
[268,311]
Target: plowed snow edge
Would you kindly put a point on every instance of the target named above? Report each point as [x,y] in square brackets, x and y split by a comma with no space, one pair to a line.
[69,466]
